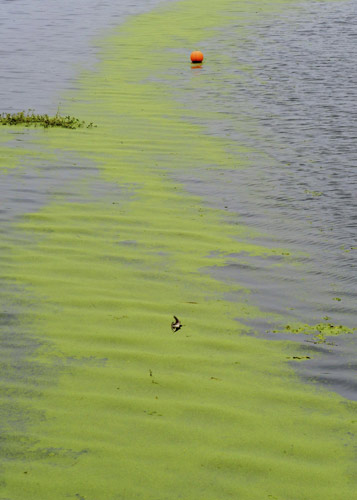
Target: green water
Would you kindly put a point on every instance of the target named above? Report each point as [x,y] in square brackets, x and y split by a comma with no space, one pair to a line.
[111,404]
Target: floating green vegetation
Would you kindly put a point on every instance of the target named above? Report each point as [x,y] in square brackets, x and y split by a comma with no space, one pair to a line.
[319,331]
[325,328]
[207,413]
[299,358]
[348,249]
[30,118]
[313,193]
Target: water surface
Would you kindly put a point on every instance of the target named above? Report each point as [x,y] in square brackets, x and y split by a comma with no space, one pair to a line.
[109,232]
[44,46]
[287,93]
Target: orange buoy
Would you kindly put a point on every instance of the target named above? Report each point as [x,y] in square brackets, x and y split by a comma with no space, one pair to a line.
[196,56]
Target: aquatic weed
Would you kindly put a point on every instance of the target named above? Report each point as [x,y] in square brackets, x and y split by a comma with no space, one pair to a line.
[30,118]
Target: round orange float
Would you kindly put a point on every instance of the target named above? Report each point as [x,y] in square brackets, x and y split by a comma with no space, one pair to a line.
[196,56]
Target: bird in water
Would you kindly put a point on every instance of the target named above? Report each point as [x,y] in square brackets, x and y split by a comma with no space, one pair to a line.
[176,325]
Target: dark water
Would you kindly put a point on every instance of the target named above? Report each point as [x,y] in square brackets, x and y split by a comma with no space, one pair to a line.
[296,110]
[309,198]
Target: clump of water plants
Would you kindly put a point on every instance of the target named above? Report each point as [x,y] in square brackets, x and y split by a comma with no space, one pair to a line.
[31,118]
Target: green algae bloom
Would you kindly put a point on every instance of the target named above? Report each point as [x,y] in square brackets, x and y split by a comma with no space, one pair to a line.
[107,403]
[320,332]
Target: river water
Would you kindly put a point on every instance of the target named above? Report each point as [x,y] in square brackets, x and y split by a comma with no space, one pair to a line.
[280,90]
[44,46]
[295,109]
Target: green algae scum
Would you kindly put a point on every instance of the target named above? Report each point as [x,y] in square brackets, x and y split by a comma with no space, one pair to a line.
[100,399]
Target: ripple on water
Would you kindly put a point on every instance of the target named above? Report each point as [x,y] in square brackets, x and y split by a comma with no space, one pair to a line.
[43,48]
[194,411]
[295,109]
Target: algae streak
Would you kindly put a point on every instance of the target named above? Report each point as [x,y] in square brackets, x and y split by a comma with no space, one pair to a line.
[124,408]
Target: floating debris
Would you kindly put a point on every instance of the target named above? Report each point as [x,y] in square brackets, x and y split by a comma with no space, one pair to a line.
[300,358]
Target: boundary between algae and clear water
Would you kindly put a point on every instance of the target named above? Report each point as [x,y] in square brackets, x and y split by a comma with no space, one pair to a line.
[112,404]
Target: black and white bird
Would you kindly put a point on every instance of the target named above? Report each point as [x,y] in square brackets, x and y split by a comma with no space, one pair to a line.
[176,325]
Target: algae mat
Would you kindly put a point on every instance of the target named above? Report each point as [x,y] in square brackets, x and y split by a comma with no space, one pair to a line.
[100,400]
